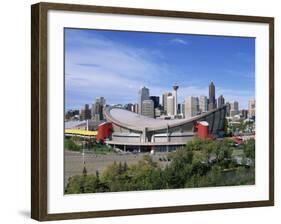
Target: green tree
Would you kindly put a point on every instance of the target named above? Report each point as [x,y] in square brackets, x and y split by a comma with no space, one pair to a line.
[214,177]
[197,144]
[74,185]
[69,144]
[177,173]
[224,152]
[140,174]
[249,149]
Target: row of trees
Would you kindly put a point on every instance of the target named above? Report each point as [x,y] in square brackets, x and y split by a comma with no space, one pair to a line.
[76,144]
[201,163]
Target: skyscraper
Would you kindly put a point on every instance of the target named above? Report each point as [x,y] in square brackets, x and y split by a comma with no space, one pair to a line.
[164,100]
[85,113]
[234,108]
[136,108]
[203,104]
[101,100]
[148,108]
[97,110]
[227,109]
[143,95]
[221,101]
[170,105]
[251,108]
[155,100]
[212,96]
[191,106]
[175,88]
[183,109]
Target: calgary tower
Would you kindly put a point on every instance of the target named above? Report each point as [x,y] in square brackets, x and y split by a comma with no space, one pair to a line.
[175,88]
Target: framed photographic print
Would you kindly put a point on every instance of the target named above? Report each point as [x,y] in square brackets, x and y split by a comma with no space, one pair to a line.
[140,111]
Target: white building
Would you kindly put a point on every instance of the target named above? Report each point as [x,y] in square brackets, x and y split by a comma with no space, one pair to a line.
[191,106]
[157,112]
[182,109]
[135,108]
[251,108]
[234,108]
[148,108]
[131,131]
[203,104]
[164,100]
[171,105]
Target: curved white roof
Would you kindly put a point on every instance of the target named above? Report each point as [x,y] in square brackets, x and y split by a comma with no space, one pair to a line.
[136,121]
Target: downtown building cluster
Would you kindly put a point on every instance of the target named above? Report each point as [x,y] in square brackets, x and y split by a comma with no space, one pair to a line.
[168,107]
[95,112]
[191,106]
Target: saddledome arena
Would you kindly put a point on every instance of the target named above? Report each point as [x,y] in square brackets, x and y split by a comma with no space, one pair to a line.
[132,131]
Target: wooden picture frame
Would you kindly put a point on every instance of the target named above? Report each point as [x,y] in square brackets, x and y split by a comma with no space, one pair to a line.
[39,110]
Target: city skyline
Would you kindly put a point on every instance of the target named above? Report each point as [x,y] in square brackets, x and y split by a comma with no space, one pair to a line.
[202,101]
[157,61]
[192,105]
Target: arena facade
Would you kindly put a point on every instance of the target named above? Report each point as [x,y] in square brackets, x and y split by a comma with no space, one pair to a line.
[132,131]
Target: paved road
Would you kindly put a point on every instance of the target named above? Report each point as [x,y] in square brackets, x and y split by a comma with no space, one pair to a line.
[74,161]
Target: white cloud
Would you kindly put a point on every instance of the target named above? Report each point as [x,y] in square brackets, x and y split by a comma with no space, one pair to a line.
[101,67]
[115,71]
[179,41]
[97,51]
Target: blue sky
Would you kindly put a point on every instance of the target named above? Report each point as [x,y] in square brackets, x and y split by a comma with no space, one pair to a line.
[115,64]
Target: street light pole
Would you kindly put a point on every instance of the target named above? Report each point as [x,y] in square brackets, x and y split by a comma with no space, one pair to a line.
[83,155]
